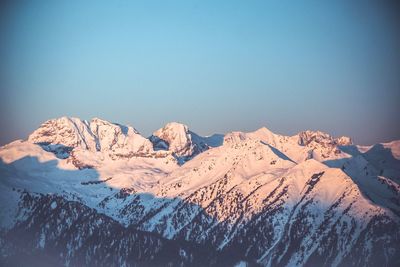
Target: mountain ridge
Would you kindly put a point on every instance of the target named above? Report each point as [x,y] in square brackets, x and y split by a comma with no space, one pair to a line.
[307,199]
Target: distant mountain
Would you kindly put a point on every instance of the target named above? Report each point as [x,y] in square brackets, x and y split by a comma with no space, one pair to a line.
[80,193]
[182,143]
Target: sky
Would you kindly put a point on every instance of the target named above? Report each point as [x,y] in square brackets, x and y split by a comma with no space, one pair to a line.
[217,66]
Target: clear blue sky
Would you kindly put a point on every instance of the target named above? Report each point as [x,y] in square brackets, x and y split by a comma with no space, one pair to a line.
[217,66]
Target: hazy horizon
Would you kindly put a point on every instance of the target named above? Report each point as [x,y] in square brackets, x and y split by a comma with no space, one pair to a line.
[217,67]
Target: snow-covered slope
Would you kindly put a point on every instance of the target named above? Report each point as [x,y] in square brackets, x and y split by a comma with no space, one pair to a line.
[308,199]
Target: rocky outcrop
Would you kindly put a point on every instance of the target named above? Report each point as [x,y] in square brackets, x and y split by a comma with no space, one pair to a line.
[177,139]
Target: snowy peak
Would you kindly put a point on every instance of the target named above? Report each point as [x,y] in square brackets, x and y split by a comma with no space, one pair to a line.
[180,141]
[344,141]
[65,134]
[118,138]
[263,131]
[263,134]
[303,146]
[65,131]
[324,139]
[234,137]
[96,122]
[68,136]
[173,136]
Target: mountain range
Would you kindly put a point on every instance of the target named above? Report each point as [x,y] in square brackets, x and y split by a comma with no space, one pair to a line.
[97,193]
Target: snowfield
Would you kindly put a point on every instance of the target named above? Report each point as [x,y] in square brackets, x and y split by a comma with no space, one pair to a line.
[253,198]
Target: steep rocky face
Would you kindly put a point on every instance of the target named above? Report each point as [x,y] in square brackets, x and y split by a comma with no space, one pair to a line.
[69,132]
[260,197]
[321,145]
[308,137]
[63,135]
[344,141]
[176,138]
[120,140]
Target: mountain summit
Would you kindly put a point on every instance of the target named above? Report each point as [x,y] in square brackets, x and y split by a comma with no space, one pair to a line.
[94,135]
[179,140]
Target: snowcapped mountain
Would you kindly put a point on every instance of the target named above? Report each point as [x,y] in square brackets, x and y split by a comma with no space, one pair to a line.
[182,143]
[66,134]
[98,193]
